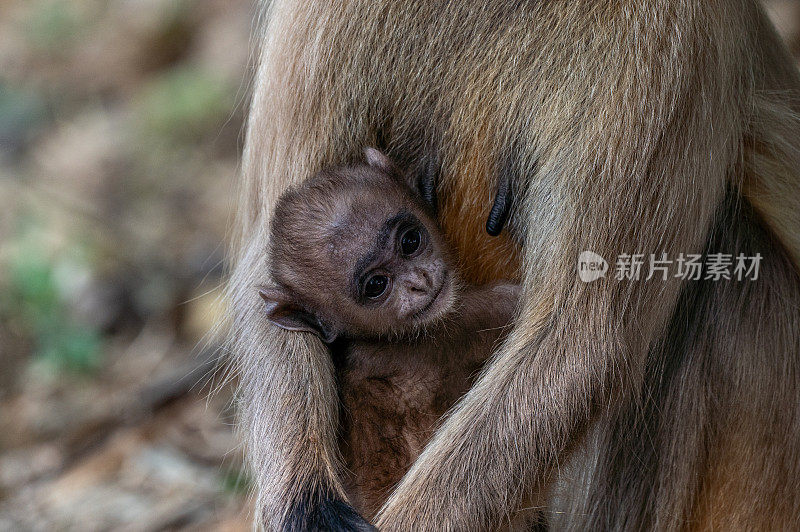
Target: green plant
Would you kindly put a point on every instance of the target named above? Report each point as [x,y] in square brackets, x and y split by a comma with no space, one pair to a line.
[37,302]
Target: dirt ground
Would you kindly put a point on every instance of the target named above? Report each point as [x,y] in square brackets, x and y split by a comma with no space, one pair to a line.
[120,136]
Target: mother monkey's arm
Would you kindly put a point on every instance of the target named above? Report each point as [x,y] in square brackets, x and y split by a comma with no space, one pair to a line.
[287,397]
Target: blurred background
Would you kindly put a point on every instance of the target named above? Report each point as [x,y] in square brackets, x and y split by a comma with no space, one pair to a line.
[120,135]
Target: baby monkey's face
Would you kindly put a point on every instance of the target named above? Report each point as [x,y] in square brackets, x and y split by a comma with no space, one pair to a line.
[403,280]
[356,252]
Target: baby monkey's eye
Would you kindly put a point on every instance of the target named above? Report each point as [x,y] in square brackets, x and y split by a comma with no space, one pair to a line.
[410,241]
[375,286]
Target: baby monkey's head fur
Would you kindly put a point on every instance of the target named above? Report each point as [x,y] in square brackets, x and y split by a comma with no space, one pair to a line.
[356,252]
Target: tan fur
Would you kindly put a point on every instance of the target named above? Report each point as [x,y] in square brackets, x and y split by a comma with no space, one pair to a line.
[633,126]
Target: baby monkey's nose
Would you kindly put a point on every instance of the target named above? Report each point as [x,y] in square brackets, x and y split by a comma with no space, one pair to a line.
[418,280]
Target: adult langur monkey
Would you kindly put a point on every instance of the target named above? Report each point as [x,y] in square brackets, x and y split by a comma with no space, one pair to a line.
[620,127]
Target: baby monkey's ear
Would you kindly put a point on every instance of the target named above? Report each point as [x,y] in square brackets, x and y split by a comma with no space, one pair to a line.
[285,312]
[423,181]
[378,159]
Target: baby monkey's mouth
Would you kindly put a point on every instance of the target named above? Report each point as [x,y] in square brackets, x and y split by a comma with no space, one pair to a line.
[434,298]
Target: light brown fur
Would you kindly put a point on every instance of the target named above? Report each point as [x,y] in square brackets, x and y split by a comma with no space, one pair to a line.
[633,126]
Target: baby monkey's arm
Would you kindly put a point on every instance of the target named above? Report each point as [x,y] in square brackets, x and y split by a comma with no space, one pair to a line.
[488,307]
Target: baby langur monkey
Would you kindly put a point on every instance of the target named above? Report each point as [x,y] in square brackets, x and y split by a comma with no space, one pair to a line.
[357,258]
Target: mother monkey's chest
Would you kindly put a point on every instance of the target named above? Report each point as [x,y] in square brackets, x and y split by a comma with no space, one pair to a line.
[465,199]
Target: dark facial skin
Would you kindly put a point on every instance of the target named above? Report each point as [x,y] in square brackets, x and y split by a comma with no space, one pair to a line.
[356,252]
